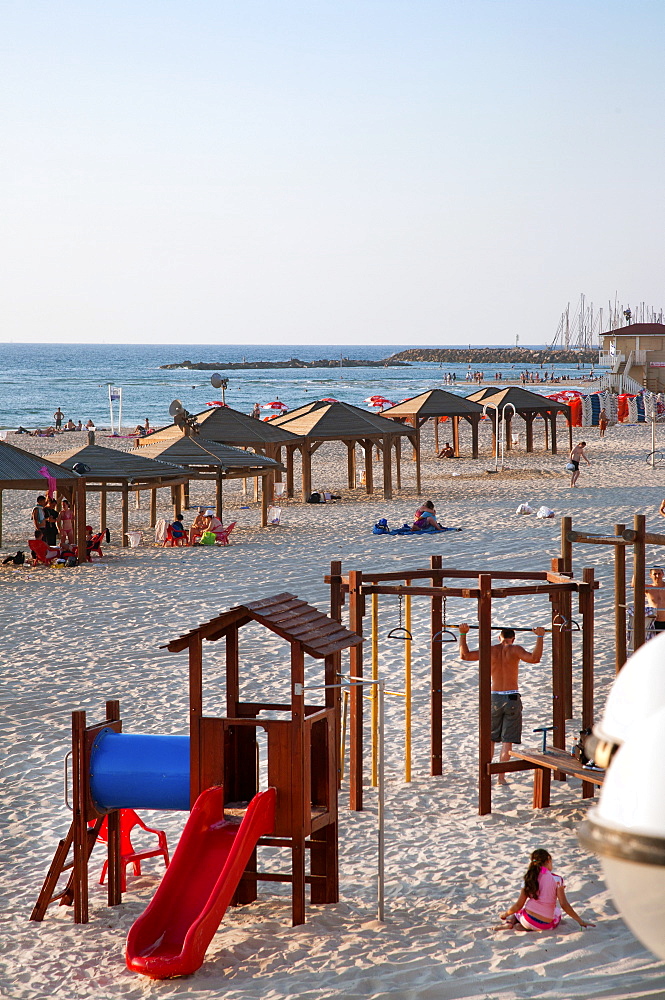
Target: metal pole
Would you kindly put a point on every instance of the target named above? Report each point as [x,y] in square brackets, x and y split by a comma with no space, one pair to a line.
[374,693]
[407,688]
[120,411]
[111,408]
[381,807]
[653,438]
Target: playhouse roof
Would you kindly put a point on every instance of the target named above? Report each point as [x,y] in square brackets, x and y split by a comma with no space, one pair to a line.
[285,615]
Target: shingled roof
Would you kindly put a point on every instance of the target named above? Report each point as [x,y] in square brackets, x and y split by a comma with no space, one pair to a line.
[434,403]
[197,451]
[523,400]
[19,470]
[285,615]
[228,426]
[337,421]
[111,464]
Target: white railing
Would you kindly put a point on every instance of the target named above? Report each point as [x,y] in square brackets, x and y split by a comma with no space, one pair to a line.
[608,360]
[620,383]
[640,357]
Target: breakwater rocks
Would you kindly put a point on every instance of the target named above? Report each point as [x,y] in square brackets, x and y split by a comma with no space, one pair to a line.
[496,356]
[291,363]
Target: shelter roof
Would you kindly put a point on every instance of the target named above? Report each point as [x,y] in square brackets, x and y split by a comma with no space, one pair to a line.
[20,469]
[434,403]
[110,463]
[337,421]
[197,451]
[285,615]
[523,400]
[228,426]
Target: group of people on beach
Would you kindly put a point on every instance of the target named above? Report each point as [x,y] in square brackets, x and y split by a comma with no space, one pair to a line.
[57,426]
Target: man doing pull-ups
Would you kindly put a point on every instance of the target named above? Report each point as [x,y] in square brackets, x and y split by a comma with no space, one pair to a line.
[506,700]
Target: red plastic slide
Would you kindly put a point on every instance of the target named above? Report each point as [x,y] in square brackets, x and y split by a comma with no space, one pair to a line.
[171,936]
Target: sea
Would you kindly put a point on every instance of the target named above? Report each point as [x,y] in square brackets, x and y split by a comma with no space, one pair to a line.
[36,379]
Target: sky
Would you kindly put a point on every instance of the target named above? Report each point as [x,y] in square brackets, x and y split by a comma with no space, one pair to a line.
[422,172]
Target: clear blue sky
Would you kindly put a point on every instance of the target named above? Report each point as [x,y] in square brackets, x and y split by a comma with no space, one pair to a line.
[331,171]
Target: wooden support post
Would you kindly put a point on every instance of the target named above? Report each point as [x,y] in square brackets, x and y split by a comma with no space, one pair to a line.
[0,517]
[103,496]
[185,495]
[566,545]
[586,611]
[124,516]
[398,461]
[619,600]
[369,470]
[256,489]
[436,435]
[407,686]
[137,500]
[80,818]
[456,421]
[508,421]
[266,492]
[196,711]
[81,520]
[336,604]
[554,445]
[299,763]
[356,612]
[219,493]
[374,692]
[528,420]
[563,642]
[290,448]
[484,694]
[558,679]
[306,469]
[387,469]
[639,569]
[417,451]
[436,678]
[153,507]
[113,837]
[351,464]
[546,435]
[475,424]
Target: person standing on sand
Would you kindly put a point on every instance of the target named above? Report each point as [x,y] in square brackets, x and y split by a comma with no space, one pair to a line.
[602,423]
[655,596]
[576,456]
[57,416]
[506,700]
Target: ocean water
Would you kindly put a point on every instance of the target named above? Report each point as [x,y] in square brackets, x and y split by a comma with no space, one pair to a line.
[36,379]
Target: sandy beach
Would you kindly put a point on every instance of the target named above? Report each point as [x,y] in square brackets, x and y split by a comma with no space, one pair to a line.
[73,638]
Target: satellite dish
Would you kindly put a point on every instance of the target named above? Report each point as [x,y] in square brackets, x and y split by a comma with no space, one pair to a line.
[176,407]
[216,381]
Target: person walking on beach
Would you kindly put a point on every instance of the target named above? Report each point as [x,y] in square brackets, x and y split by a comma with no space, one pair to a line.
[576,456]
[602,423]
[542,899]
[655,596]
[506,700]
[57,416]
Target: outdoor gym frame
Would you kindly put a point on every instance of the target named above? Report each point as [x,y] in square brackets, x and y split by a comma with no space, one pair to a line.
[559,587]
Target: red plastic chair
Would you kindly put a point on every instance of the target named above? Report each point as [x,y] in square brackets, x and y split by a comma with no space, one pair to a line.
[170,540]
[128,855]
[39,550]
[94,545]
[223,535]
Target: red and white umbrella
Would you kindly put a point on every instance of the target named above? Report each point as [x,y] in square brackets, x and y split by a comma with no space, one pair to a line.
[380,402]
[566,395]
[217,402]
[328,399]
[275,405]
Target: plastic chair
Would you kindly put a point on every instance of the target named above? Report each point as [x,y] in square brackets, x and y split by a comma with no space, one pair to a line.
[39,550]
[94,545]
[128,855]
[223,535]
[170,540]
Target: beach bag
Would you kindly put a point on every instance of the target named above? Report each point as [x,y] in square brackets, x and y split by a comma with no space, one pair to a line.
[570,467]
[544,512]
[208,538]
[314,498]
[524,508]
[381,527]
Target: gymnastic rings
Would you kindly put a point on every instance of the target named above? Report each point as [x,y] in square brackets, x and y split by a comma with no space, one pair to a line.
[444,634]
[399,632]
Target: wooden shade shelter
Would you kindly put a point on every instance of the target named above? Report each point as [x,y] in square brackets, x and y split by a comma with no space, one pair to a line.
[302,746]
[437,403]
[205,459]
[528,405]
[19,470]
[321,421]
[114,471]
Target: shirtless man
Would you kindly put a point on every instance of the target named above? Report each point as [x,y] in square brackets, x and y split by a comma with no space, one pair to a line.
[576,455]
[506,701]
[655,596]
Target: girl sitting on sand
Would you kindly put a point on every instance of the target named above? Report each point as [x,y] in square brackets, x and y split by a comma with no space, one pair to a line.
[541,900]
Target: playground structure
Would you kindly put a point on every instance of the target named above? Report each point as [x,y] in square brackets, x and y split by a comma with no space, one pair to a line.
[637,537]
[559,587]
[215,772]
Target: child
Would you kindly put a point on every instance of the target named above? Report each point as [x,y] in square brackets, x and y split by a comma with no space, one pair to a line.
[541,900]
[178,531]
[66,522]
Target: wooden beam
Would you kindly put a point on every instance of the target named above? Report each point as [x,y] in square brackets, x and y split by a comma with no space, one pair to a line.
[356,613]
[587,613]
[124,517]
[639,569]
[436,678]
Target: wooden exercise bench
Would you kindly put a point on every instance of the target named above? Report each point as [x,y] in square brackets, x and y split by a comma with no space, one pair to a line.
[544,764]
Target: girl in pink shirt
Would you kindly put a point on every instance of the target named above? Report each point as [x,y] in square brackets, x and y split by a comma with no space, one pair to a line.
[542,899]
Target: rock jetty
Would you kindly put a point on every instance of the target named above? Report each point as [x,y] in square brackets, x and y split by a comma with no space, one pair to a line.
[495,356]
[292,363]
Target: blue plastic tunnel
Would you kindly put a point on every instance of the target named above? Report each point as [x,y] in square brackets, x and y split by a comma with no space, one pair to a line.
[139,772]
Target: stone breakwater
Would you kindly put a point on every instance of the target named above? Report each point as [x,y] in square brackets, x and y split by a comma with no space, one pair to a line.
[292,363]
[494,355]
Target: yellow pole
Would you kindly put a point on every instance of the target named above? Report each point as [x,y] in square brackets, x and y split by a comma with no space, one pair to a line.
[407,688]
[374,691]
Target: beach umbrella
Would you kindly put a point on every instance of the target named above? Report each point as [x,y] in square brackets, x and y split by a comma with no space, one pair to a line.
[565,395]
[328,399]
[379,401]
[217,402]
[275,405]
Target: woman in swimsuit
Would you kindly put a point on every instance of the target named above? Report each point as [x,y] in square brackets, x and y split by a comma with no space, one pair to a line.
[66,522]
[542,899]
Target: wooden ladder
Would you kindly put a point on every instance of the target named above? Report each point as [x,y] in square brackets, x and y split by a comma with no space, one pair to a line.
[59,865]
